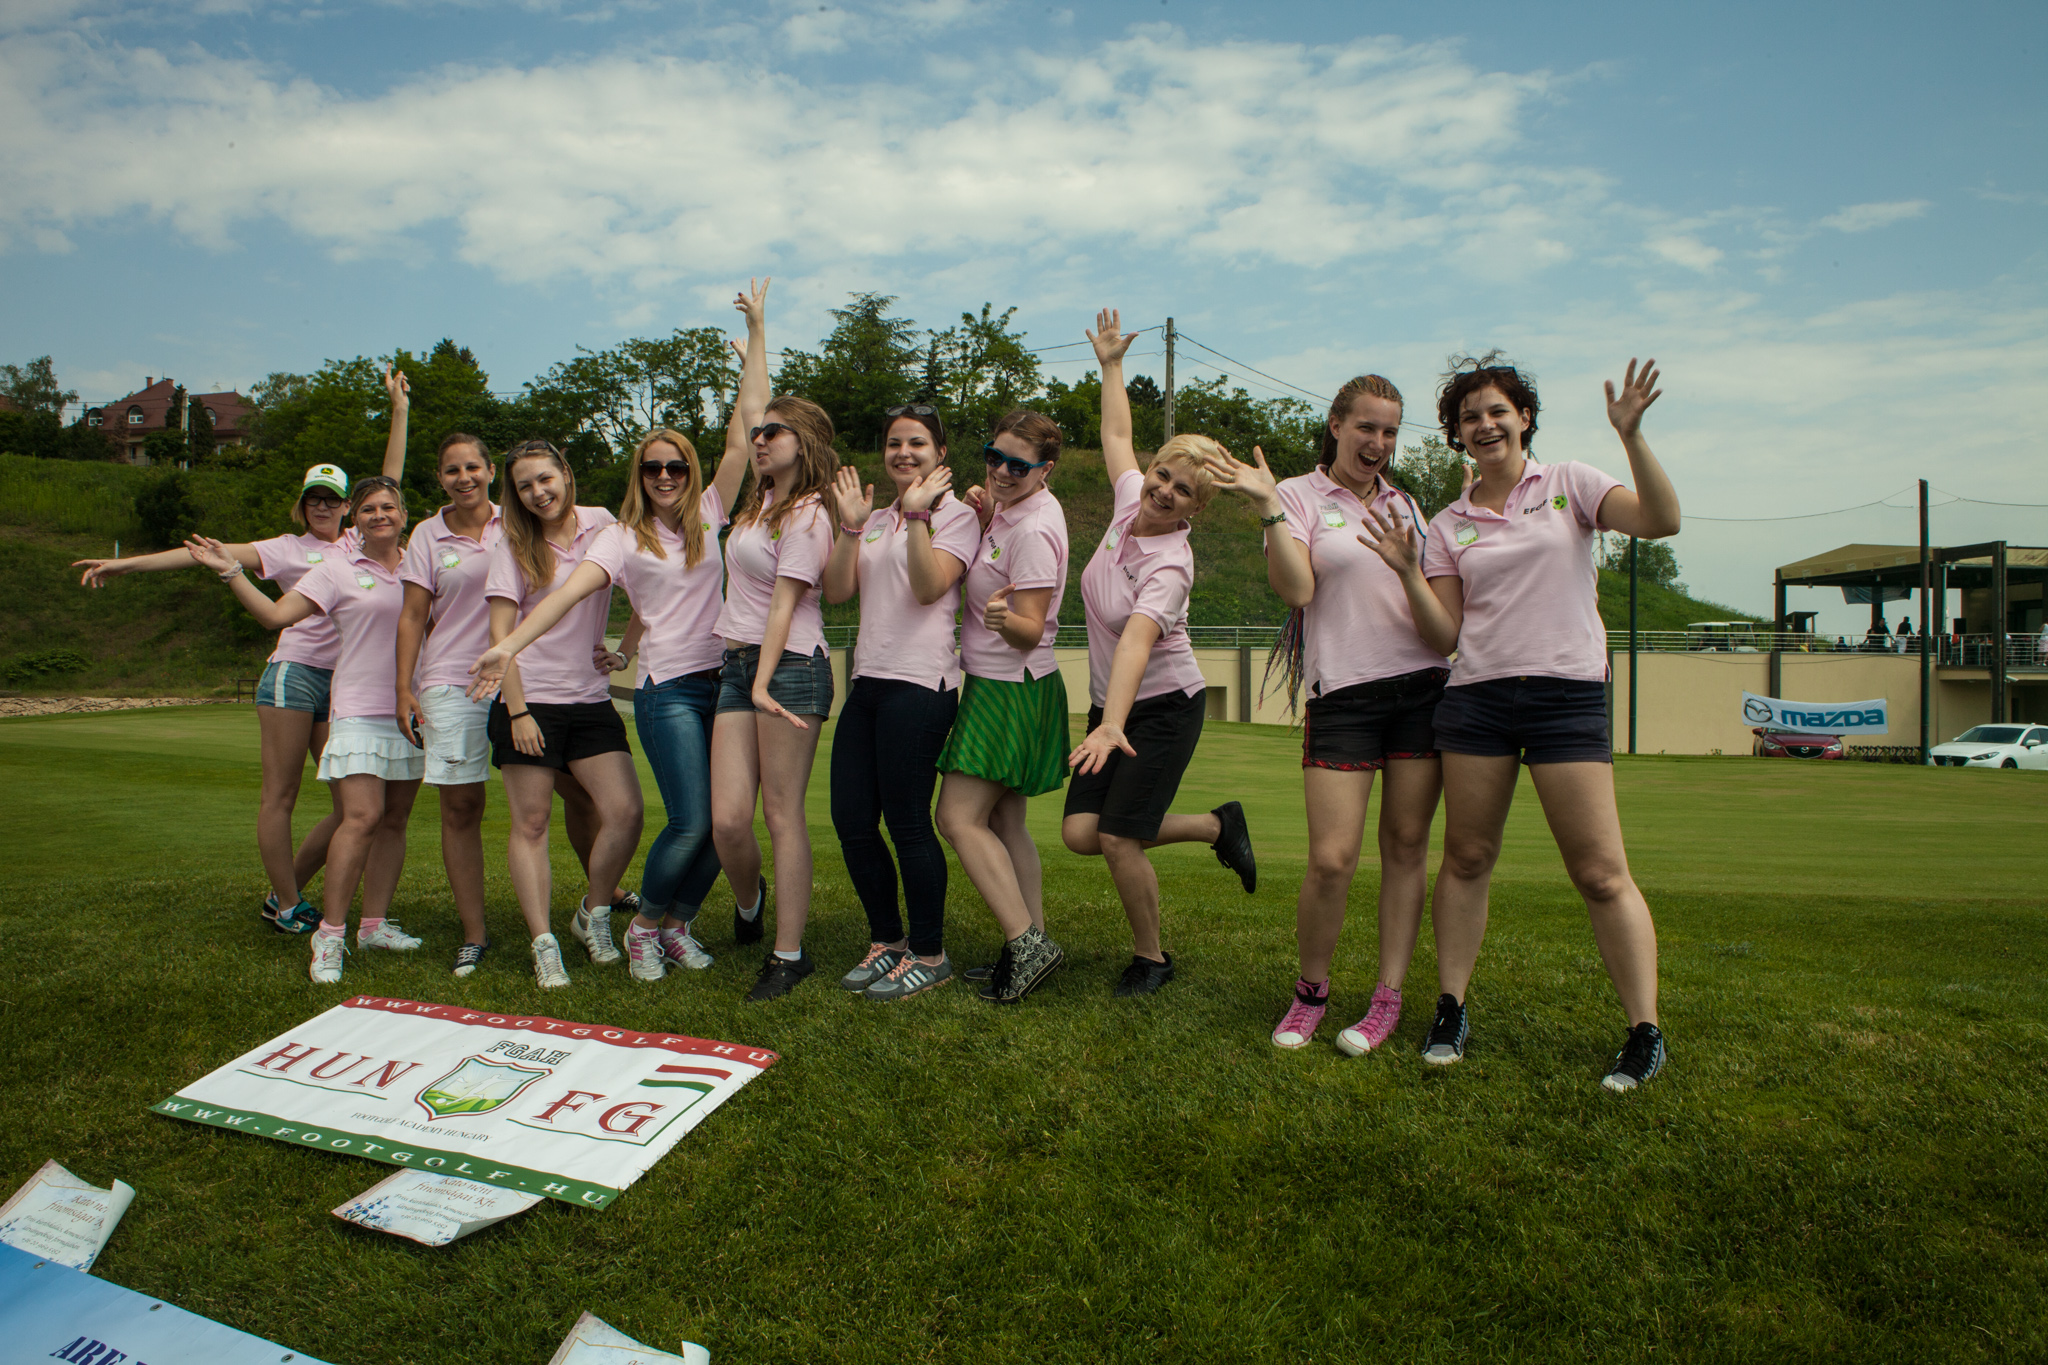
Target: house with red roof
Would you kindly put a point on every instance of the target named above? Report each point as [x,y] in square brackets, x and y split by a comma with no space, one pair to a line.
[160,405]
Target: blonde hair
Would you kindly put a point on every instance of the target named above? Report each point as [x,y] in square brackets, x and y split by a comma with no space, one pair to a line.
[636,513]
[817,463]
[525,532]
[1191,453]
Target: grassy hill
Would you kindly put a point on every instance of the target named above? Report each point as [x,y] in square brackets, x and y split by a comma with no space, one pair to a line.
[179,634]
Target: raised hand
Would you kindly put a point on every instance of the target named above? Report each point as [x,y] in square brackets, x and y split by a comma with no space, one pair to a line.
[1467,477]
[924,495]
[210,553]
[1254,481]
[1638,391]
[753,301]
[984,506]
[853,502]
[1394,542]
[1109,338]
[995,613]
[399,387]
[1094,751]
[489,672]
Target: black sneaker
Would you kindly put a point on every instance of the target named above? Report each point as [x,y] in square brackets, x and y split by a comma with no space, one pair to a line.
[1641,1057]
[628,903]
[1233,846]
[985,972]
[779,976]
[746,930]
[1027,961]
[1446,1041]
[469,955]
[1145,976]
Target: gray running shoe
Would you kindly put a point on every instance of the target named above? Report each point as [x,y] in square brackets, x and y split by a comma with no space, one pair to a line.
[910,977]
[881,959]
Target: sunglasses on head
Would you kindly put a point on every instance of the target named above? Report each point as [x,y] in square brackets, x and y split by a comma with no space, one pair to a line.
[911,410]
[654,469]
[1016,468]
[769,431]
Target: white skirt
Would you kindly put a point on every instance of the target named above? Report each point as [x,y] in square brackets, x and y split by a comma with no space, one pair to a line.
[373,745]
[458,742]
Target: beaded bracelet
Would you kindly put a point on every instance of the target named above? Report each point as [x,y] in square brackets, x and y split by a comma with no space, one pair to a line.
[1273,520]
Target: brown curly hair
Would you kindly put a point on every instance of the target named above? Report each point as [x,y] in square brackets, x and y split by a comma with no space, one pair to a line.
[1468,375]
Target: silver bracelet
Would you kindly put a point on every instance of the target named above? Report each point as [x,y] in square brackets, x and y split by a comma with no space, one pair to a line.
[232,574]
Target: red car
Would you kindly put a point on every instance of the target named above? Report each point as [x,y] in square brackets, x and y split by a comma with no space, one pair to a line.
[1784,744]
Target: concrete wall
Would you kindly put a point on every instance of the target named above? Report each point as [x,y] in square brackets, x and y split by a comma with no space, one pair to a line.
[1692,703]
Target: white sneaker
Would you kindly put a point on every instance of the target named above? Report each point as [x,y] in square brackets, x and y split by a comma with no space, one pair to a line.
[548,972]
[593,929]
[328,951]
[681,947]
[387,935]
[643,955]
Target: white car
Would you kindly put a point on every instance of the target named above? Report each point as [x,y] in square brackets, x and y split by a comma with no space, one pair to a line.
[1994,746]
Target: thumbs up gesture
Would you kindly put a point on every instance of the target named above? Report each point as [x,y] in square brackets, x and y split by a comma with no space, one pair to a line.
[996,614]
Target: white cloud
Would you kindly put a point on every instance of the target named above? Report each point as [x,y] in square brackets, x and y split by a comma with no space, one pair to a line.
[1688,251]
[1868,217]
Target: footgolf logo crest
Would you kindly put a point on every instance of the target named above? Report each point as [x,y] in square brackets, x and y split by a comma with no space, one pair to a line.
[477,1087]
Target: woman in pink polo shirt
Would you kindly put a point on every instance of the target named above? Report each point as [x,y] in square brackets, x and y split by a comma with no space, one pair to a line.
[1506,579]
[446,623]
[554,710]
[373,768]
[1373,688]
[292,697]
[664,552]
[776,688]
[1009,740]
[906,561]
[1147,697]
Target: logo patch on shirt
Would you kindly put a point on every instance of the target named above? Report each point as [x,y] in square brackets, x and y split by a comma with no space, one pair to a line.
[1559,502]
[1333,516]
[314,557]
[449,559]
[363,580]
[874,533]
[1465,533]
[995,552]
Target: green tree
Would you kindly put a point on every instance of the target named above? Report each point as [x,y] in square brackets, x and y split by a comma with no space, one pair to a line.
[1077,408]
[987,370]
[1656,562]
[198,431]
[1432,472]
[1287,429]
[867,365]
[33,388]
[165,513]
[165,447]
[682,381]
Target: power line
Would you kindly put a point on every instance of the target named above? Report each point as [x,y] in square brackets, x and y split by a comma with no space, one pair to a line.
[1986,502]
[1884,501]
[1320,398]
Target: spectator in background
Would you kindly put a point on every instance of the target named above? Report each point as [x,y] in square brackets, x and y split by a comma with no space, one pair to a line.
[1905,635]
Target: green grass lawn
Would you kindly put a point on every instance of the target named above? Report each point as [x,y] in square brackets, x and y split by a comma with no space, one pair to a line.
[1845,1157]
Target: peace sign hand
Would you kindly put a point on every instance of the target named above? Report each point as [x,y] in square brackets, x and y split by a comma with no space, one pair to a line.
[753,300]
[1638,391]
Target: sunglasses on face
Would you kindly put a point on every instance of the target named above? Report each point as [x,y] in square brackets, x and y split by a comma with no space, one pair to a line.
[768,431]
[654,469]
[1016,468]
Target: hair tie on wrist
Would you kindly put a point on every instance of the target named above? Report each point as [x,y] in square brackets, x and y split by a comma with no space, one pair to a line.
[520,715]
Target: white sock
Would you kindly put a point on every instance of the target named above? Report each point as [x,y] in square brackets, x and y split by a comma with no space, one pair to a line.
[796,956]
[752,912]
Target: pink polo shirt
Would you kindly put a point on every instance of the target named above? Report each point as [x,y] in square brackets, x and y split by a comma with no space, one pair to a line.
[1532,602]
[1140,576]
[556,670]
[452,567]
[284,560]
[755,557]
[678,605]
[361,599]
[1358,627]
[900,637]
[1025,546]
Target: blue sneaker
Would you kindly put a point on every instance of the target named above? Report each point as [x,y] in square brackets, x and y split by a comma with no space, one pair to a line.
[300,919]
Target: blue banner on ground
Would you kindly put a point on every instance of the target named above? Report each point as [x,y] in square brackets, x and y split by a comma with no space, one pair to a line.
[1817,717]
[52,1312]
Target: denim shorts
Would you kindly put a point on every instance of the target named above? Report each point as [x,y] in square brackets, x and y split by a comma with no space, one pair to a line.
[803,687]
[1535,719]
[295,687]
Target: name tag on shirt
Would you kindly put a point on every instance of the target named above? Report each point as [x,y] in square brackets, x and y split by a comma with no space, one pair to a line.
[1333,516]
[363,580]
[1465,533]
[874,533]
[314,556]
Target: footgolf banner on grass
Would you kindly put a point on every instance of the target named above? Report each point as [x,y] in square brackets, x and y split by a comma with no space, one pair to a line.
[575,1112]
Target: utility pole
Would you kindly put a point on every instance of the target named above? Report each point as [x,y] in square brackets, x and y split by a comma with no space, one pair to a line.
[1169,381]
[1926,629]
[1632,644]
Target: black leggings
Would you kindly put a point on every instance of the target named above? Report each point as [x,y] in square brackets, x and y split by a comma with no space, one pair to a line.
[885,755]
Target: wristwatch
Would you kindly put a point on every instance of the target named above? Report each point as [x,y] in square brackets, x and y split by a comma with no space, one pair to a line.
[924,516]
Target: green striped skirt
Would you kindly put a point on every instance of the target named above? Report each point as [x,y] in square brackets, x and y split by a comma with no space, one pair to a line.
[1014,733]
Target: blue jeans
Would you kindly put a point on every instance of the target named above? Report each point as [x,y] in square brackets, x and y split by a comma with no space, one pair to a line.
[674,721]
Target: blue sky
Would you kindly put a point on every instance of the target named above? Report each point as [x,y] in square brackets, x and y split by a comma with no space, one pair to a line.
[1826,221]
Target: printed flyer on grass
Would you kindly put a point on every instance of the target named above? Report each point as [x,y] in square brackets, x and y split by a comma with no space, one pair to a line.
[548,1107]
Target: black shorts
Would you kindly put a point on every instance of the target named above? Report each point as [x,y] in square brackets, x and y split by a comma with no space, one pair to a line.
[569,732]
[1356,729]
[1538,720]
[1131,794]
